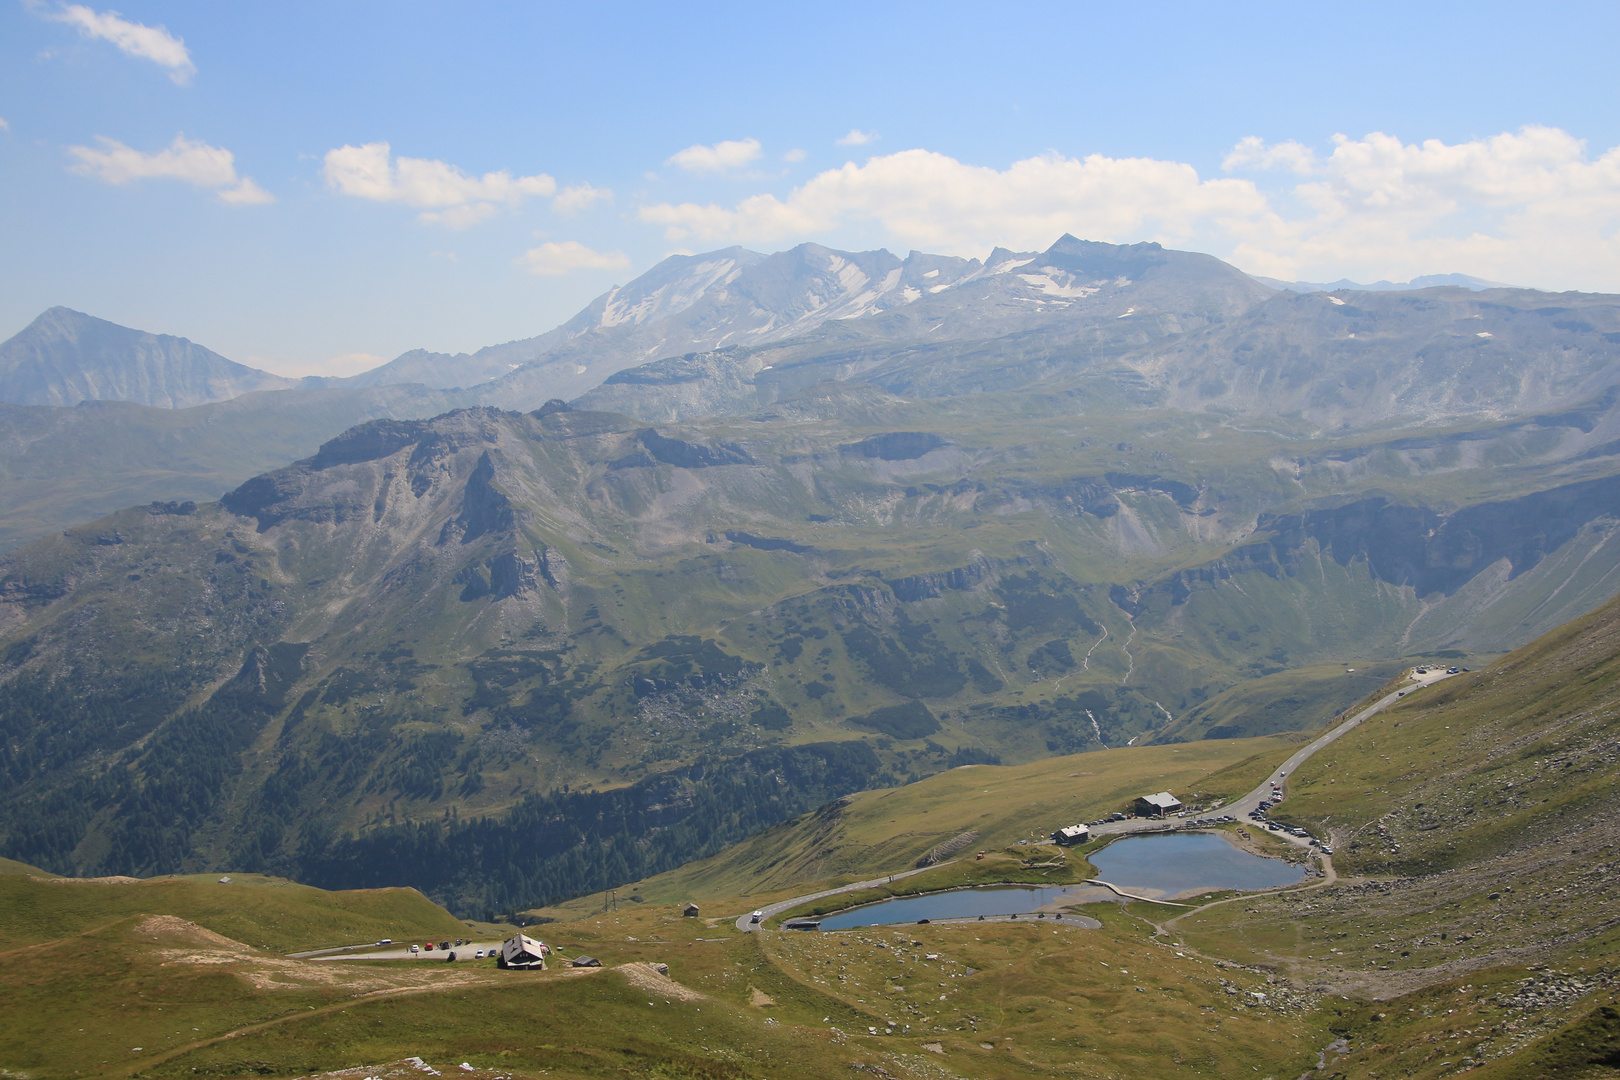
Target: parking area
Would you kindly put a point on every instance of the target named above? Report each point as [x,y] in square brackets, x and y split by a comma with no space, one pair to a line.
[417,950]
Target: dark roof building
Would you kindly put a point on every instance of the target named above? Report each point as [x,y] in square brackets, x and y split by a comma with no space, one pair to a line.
[1157,805]
[522,951]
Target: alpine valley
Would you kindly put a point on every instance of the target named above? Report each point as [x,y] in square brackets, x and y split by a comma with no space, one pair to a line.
[873,519]
[713,592]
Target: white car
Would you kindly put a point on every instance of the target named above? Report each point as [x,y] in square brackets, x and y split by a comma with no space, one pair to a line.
[756,916]
[479,955]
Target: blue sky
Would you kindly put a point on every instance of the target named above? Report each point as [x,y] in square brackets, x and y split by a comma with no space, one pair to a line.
[310,187]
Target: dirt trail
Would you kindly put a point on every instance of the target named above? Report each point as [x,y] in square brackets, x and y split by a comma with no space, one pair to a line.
[147,1062]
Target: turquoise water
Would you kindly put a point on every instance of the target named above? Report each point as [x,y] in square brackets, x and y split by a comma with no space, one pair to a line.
[1168,864]
[1179,862]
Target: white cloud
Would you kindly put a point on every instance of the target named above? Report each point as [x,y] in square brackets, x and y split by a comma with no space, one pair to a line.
[579,198]
[717,158]
[553,259]
[152,43]
[857,137]
[184,159]
[795,154]
[1525,206]
[246,193]
[444,194]
[4,126]
[1253,151]
[936,203]
[1532,207]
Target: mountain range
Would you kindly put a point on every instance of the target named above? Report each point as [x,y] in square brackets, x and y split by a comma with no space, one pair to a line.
[880,518]
[732,331]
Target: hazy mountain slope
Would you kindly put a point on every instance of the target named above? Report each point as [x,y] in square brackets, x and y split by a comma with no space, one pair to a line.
[1391,359]
[1424,281]
[1187,332]
[1019,320]
[685,303]
[65,357]
[486,609]
[63,466]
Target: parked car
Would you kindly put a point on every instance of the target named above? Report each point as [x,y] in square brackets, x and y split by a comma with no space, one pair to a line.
[479,955]
[444,945]
[417,948]
[428,947]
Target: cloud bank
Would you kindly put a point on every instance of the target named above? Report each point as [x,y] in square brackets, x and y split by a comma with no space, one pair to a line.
[444,194]
[135,39]
[196,163]
[553,259]
[1531,206]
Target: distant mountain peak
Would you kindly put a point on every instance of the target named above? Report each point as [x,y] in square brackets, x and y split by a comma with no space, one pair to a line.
[64,357]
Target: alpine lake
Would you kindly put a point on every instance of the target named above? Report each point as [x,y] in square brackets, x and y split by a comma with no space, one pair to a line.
[1158,866]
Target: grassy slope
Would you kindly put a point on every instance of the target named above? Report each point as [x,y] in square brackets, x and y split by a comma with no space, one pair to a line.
[1299,699]
[1478,821]
[164,1000]
[266,913]
[12,866]
[1089,1004]
[881,831]
[1115,1002]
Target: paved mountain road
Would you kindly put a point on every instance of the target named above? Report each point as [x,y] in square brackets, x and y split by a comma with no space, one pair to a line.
[1249,803]
[1240,808]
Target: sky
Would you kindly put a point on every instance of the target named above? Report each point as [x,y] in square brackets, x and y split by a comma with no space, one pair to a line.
[314,188]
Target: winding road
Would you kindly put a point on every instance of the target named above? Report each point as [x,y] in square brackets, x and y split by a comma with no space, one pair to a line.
[1242,807]
[1239,808]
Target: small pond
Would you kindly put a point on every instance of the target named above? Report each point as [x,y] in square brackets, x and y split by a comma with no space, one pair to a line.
[1176,863]
[956,904]
[1165,865]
